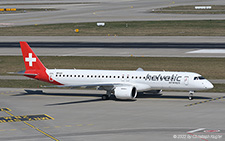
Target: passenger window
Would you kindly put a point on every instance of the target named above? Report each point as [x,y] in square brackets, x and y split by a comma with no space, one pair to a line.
[71,76]
[74,75]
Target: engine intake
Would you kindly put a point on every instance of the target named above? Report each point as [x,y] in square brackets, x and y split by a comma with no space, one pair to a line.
[125,92]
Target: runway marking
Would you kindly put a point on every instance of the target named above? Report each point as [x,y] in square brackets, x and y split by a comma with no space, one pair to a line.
[196,130]
[208,51]
[24,118]
[205,101]
[39,130]
[197,136]
[7,92]
[23,128]
[32,126]
[46,127]
[5,109]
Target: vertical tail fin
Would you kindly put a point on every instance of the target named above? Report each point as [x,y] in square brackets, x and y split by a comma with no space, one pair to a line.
[31,61]
[34,68]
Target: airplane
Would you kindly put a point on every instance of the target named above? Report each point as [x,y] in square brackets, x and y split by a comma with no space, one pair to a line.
[124,84]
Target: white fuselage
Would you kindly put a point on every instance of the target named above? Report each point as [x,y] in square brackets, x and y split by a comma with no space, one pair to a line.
[141,80]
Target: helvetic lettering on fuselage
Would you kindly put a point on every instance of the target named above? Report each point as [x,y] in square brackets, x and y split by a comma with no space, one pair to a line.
[123,84]
[170,78]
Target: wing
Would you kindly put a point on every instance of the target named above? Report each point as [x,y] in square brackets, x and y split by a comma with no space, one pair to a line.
[109,85]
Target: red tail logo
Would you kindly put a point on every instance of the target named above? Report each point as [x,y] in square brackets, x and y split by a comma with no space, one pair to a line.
[31,61]
[34,68]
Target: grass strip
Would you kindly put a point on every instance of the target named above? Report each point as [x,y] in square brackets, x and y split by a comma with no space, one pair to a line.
[48,3]
[131,28]
[190,9]
[23,84]
[28,10]
[211,68]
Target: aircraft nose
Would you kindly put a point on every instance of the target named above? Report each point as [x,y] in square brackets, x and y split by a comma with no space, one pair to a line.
[209,85]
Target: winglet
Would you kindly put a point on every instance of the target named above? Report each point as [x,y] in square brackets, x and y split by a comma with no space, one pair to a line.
[139,69]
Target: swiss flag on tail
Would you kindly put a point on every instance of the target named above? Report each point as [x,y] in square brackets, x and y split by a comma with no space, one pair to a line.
[31,61]
[34,68]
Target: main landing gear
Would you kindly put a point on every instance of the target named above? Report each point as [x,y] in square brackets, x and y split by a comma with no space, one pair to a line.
[106,96]
[191,93]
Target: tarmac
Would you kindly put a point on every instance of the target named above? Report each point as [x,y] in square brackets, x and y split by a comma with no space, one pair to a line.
[101,11]
[69,114]
[215,50]
[82,115]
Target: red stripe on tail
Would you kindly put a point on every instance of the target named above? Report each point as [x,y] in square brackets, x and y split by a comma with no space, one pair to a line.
[33,65]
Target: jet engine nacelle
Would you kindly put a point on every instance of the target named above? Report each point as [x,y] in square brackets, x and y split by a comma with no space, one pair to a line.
[125,92]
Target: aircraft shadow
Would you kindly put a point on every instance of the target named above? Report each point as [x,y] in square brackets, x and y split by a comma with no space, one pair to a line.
[169,96]
[40,92]
[140,95]
[74,102]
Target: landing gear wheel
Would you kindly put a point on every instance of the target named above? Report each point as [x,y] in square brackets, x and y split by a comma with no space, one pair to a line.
[105,97]
[190,98]
[191,93]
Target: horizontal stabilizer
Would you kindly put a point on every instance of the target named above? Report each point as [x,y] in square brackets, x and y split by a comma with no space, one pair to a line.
[22,73]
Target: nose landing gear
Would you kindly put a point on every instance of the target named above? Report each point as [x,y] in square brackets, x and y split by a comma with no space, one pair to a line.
[191,93]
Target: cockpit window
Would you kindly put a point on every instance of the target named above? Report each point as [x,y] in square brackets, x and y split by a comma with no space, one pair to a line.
[199,78]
